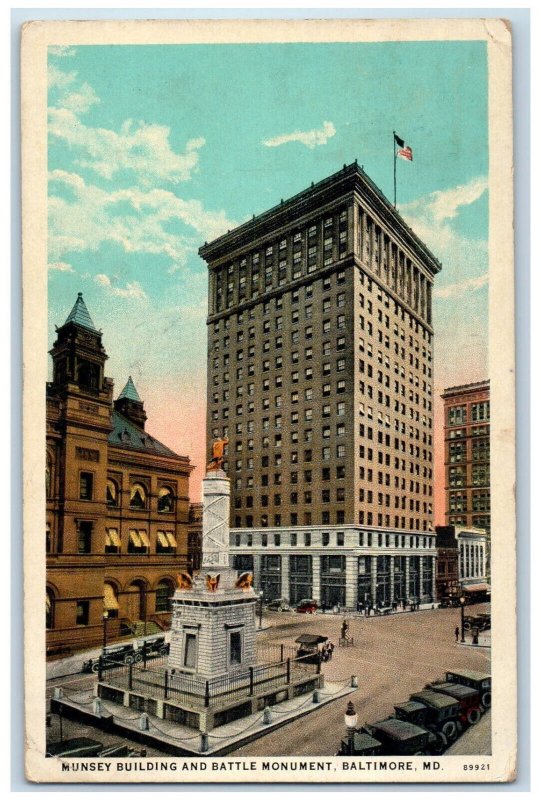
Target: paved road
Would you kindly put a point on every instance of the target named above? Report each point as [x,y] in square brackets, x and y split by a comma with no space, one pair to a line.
[392,657]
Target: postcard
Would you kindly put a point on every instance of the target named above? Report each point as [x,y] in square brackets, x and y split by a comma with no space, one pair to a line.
[269,382]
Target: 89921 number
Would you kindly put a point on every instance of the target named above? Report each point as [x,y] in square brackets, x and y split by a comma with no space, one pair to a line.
[476,767]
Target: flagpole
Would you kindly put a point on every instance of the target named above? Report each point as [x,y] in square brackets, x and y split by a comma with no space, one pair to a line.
[394,166]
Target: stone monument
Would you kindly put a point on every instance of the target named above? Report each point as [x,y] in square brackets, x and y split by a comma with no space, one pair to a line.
[213,629]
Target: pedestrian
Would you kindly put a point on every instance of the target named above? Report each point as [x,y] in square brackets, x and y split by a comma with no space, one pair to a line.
[457,633]
[331,650]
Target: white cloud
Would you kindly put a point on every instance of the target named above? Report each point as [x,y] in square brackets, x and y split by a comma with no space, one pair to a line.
[445,204]
[60,266]
[132,291]
[311,138]
[433,219]
[82,217]
[58,78]
[141,148]
[82,100]
[61,50]
[455,290]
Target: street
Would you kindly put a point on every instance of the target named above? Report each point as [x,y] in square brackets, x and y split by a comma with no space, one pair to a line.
[391,656]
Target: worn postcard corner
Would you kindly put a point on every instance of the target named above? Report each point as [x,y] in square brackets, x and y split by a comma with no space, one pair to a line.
[269,437]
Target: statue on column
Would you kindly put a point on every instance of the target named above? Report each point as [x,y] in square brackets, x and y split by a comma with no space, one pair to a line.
[217,454]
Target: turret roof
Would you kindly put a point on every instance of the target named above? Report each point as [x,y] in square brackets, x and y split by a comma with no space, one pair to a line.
[80,316]
[129,391]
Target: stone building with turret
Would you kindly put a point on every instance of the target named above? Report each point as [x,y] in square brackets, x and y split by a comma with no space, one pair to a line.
[117,501]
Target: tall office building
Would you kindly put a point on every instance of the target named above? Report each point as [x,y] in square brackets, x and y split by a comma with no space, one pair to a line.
[467,455]
[320,371]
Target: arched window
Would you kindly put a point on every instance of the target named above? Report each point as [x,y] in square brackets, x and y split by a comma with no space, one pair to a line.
[112,492]
[49,609]
[88,375]
[138,496]
[166,500]
[110,600]
[48,541]
[164,591]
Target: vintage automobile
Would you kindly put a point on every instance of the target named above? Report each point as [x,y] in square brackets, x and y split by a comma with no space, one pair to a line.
[154,646]
[79,747]
[309,650]
[477,680]
[361,744]
[278,605]
[114,656]
[471,707]
[307,606]
[400,738]
[440,714]
[479,621]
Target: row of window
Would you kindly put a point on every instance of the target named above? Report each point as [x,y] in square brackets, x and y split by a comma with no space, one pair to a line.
[480,476]
[477,449]
[332,538]
[326,518]
[137,540]
[388,260]
[479,412]
[139,496]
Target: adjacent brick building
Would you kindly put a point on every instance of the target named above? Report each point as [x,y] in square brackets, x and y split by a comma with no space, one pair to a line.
[467,455]
[117,501]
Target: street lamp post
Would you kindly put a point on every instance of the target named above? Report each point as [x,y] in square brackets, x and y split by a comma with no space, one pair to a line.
[260,609]
[350,719]
[105,618]
[462,604]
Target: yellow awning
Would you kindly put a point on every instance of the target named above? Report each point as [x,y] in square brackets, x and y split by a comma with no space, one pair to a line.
[162,539]
[115,538]
[171,539]
[110,603]
[144,539]
[108,541]
[135,539]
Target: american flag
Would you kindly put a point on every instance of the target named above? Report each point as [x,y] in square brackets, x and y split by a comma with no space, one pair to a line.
[406,152]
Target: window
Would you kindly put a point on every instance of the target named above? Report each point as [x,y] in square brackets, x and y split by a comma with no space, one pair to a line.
[112,493]
[165,500]
[190,650]
[307,539]
[138,496]
[86,485]
[82,612]
[112,540]
[164,591]
[84,537]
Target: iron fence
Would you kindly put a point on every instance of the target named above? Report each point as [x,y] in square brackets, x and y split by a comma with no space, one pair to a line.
[156,681]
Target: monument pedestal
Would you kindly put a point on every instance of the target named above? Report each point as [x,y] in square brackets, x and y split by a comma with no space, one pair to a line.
[213,629]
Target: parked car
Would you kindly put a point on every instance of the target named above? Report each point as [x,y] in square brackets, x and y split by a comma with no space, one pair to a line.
[154,646]
[114,656]
[363,745]
[400,738]
[278,605]
[308,606]
[439,713]
[477,680]
[479,621]
[79,747]
[471,707]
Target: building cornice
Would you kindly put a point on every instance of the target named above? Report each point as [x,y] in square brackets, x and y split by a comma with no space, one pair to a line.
[350,179]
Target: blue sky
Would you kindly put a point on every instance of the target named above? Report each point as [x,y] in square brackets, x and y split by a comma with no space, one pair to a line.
[155,149]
